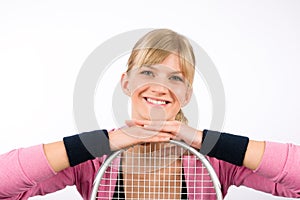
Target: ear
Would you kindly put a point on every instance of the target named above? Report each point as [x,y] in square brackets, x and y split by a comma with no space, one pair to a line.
[125,84]
[188,96]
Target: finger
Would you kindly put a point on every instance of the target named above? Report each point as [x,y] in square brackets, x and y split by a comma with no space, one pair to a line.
[166,135]
[176,138]
[163,128]
[152,134]
[161,137]
[140,133]
[148,122]
[137,122]
[141,122]
[130,123]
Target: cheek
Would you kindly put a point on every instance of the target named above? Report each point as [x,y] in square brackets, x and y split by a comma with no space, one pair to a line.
[137,83]
[134,97]
[179,94]
[137,90]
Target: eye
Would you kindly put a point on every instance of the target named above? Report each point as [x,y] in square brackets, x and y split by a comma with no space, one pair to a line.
[147,73]
[176,78]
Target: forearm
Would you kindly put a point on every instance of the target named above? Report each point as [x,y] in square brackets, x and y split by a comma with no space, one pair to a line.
[275,162]
[76,149]
[235,149]
[254,154]
[57,156]
[23,169]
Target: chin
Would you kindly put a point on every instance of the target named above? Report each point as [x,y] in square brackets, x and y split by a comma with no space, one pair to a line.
[154,114]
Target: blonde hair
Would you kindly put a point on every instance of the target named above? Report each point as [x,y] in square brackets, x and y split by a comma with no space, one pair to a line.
[156,46]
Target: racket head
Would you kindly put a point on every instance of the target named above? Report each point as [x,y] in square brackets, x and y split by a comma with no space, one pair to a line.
[201,182]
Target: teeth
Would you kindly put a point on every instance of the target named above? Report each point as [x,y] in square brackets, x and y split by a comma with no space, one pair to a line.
[156,101]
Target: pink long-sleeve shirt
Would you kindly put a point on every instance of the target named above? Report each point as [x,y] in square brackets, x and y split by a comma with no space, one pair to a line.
[26,172]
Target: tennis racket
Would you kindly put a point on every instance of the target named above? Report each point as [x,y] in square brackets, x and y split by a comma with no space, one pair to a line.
[171,170]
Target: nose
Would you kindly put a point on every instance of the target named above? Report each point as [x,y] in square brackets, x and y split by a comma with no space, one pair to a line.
[159,89]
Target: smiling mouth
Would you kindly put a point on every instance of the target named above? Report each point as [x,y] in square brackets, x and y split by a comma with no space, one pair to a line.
[156,102]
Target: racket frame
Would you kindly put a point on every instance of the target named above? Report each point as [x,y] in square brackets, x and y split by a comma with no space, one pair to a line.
[203,159]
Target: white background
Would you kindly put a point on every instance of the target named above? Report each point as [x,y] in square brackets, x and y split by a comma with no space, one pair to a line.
[255,46]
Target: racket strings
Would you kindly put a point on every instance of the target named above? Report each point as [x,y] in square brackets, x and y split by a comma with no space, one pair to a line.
[156,171]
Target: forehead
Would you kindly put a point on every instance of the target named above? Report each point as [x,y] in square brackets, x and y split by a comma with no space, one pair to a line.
[172,61]
[170,64]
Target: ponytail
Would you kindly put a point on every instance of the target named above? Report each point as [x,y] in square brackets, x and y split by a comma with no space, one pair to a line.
[180,117]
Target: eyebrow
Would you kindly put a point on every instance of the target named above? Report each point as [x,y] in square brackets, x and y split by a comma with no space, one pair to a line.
[154,68]
[177,72]
[148,66]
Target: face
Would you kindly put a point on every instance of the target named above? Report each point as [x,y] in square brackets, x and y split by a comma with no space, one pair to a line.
[157,91]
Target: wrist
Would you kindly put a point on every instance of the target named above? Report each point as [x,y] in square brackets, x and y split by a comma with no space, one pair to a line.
[198,139]
[228,147]
[86,146]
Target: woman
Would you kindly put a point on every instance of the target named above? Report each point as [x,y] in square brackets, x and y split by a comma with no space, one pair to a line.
[159,82]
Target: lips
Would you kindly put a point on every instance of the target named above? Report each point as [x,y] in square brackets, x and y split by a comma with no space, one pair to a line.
[156,101]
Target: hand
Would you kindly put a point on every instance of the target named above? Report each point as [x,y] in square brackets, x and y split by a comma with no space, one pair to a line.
[135,134]
[178,130]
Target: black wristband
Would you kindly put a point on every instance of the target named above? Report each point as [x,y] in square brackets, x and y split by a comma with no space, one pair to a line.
[86,146]
[228,147]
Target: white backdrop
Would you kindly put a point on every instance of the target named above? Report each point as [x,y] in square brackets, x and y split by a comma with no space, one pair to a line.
[255,46]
